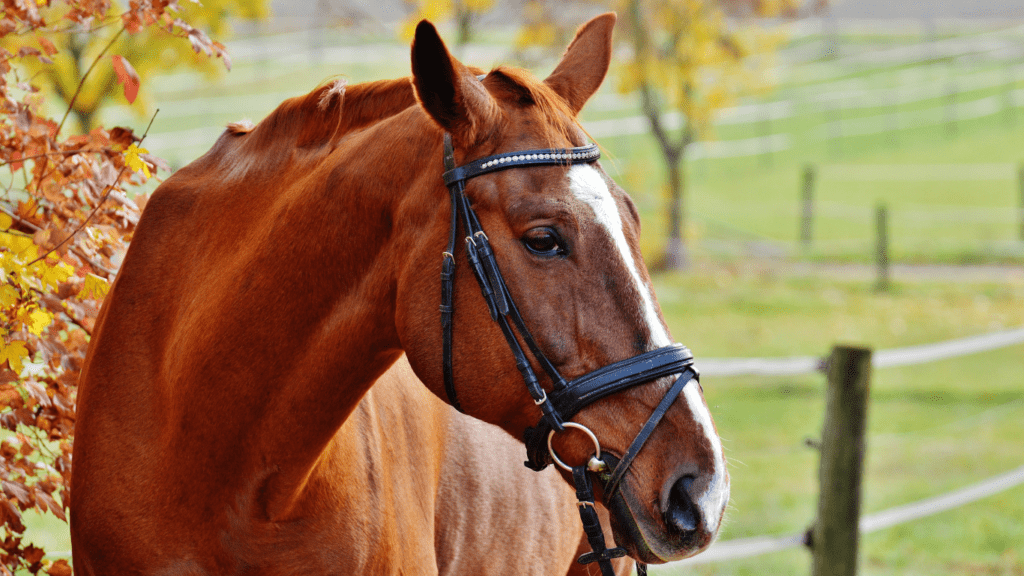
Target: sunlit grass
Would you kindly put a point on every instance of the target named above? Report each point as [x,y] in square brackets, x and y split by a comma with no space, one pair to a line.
[931,428]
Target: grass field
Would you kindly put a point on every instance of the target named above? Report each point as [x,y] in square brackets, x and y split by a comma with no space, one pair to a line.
[932,428]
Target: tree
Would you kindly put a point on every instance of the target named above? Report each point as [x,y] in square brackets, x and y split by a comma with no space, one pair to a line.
[148,46]
[687,56]
[65,221]
[464,12]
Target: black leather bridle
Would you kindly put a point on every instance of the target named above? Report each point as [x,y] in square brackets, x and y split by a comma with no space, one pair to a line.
[565,398]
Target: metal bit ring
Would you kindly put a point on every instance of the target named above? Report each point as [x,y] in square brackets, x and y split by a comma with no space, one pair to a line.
[594,460]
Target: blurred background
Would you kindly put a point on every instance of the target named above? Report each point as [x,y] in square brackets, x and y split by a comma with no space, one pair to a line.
[808,174]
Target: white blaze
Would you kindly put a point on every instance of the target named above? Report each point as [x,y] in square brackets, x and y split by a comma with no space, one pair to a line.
[588,186]
[712,501]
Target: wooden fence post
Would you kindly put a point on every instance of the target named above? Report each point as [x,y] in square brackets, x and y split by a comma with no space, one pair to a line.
[807,200]
[835,533]
[882,247]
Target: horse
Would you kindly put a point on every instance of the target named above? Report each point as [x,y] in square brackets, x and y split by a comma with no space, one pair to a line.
[272,282]
[481,493]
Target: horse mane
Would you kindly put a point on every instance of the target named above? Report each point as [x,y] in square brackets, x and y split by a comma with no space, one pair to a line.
[316,121]
[334,109]
[313,122]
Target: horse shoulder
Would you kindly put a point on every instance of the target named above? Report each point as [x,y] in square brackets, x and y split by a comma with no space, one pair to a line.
[372,493]
[495,516]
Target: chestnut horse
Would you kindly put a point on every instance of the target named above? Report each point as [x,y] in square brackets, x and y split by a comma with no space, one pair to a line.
[480,494]
[272,282]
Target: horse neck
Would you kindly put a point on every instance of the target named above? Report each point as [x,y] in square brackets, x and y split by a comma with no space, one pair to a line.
[297,315]
[370,177]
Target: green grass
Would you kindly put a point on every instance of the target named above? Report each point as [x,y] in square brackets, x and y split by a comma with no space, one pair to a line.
[931,428]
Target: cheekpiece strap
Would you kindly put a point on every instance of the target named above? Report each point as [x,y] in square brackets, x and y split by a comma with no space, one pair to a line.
[485,267]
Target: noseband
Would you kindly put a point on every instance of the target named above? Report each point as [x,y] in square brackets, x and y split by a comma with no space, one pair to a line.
[566,398]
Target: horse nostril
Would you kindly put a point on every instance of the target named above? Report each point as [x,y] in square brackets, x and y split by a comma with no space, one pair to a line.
[682,512]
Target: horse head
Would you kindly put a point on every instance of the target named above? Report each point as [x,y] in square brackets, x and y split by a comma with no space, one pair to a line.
[566,240]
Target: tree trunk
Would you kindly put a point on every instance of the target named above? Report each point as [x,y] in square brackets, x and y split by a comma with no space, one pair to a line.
[673,153]
[676,257]
[464,19]
[87,119]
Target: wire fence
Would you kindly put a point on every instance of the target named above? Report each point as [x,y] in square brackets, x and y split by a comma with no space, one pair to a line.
[757,545]
[908,356]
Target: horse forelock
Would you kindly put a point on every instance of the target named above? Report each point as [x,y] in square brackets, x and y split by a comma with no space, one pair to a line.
[519,87]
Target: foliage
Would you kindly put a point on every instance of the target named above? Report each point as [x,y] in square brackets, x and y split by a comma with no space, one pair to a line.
[690,56]
[687,56]
[78,37]
[464,12]
[65,221]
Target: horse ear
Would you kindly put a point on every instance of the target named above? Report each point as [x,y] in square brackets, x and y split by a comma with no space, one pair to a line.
[448,91]
[585,62]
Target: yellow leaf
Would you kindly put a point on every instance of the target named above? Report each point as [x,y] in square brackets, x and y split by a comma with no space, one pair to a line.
[479,6]
[6,221]
[38,320]
[94,287]
[13,353]
[8,296]
[22,246]
[53,276]
[132,159]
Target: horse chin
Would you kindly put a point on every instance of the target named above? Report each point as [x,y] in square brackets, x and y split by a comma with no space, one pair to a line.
[647,538]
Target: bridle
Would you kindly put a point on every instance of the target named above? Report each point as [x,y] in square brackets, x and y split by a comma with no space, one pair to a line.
[565,398]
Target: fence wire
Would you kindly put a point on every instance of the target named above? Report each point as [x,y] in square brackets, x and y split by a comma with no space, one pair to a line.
[757,545]
[892,358]
[912,355]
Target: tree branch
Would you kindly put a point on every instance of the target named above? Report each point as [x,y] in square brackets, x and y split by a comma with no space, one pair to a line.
[55,153]
[95,265]
[103,199]
[71,104]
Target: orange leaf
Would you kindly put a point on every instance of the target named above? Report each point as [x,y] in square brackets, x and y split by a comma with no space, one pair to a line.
[48,46]
[59,568]
[17,491]
[128,76]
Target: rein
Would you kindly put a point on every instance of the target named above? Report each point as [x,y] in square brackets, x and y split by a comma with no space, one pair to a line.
[566,398]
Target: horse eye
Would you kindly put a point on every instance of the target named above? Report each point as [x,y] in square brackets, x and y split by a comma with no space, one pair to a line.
[543,242]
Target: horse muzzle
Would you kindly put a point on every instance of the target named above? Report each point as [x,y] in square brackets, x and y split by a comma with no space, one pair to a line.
[680,523]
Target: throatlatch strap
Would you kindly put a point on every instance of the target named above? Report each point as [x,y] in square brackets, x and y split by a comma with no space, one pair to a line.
[600,553]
